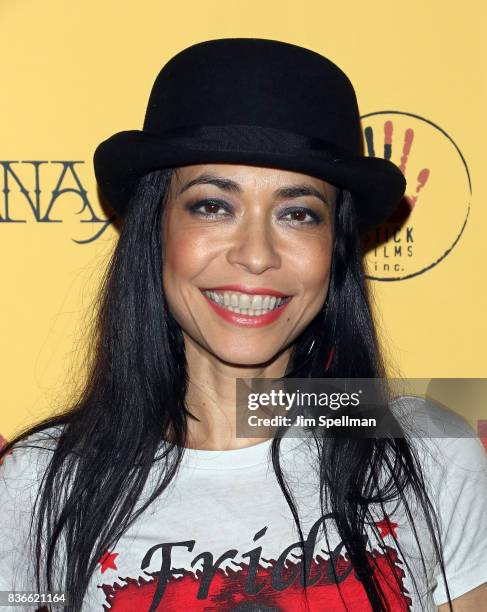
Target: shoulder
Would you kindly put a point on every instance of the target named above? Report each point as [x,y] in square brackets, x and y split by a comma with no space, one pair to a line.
[23,467]
[21,475]
[454,469]
[444,441]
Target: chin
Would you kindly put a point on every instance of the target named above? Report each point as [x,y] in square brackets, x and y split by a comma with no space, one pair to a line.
[246,358]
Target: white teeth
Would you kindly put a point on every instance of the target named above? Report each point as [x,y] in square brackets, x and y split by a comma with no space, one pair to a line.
[256,302]
[244,303]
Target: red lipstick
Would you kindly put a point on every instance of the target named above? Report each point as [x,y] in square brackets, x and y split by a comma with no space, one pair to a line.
[243,320]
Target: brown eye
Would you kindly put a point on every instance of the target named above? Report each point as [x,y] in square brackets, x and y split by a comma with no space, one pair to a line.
[210,209]
[301,216]
[298,215]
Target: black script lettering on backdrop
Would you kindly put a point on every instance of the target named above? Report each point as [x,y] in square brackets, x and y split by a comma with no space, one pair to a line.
[42,208]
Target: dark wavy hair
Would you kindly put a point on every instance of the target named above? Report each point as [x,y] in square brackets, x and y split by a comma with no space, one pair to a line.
[134,398]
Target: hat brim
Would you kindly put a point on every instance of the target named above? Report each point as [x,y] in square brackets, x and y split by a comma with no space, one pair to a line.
[376,184]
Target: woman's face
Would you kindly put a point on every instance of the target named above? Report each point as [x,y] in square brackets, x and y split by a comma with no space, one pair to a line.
[247,257]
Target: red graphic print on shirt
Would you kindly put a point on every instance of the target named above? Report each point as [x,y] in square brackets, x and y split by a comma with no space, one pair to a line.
[254,588]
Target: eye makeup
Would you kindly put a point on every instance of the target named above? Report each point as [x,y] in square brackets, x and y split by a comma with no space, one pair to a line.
[316,219]
[197,209]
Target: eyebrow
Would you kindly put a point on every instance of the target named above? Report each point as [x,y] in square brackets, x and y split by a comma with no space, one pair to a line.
[288,191]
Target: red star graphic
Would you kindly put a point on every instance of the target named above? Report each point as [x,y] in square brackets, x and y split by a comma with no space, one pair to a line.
[107,561]
[386,527]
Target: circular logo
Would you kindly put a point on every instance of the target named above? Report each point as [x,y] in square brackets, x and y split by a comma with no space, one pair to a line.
[432,216]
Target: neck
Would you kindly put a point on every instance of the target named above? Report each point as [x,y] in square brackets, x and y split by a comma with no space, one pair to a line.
[211,396]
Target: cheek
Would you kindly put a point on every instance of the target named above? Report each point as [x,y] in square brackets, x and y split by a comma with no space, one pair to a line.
[311,263]
[177,266]
[185,255]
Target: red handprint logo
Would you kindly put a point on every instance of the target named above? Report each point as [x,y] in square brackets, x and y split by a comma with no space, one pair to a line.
[407,204]
[402,247]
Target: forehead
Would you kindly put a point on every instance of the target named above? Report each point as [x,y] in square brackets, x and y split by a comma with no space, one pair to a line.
[249,177]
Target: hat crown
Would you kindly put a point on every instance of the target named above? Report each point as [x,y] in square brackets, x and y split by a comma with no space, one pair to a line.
[252,101]
[260,82]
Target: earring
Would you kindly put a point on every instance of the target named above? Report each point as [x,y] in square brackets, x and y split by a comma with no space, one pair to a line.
[310,348]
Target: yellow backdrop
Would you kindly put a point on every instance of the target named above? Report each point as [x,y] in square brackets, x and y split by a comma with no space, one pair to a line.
[74,73]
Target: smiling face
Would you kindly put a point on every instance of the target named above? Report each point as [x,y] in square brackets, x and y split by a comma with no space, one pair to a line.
[247,257]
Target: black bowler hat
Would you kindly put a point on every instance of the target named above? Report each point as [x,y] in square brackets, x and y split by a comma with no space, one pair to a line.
[252,101]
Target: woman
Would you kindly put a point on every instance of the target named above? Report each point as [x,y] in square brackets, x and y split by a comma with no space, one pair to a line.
[243,200]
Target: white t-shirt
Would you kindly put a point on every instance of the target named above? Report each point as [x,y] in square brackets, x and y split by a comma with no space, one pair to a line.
[222,536]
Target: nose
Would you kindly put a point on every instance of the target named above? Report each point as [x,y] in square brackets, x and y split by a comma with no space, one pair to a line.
[254,247]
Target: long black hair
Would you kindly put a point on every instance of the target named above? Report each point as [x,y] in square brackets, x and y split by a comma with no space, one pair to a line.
[134,398]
